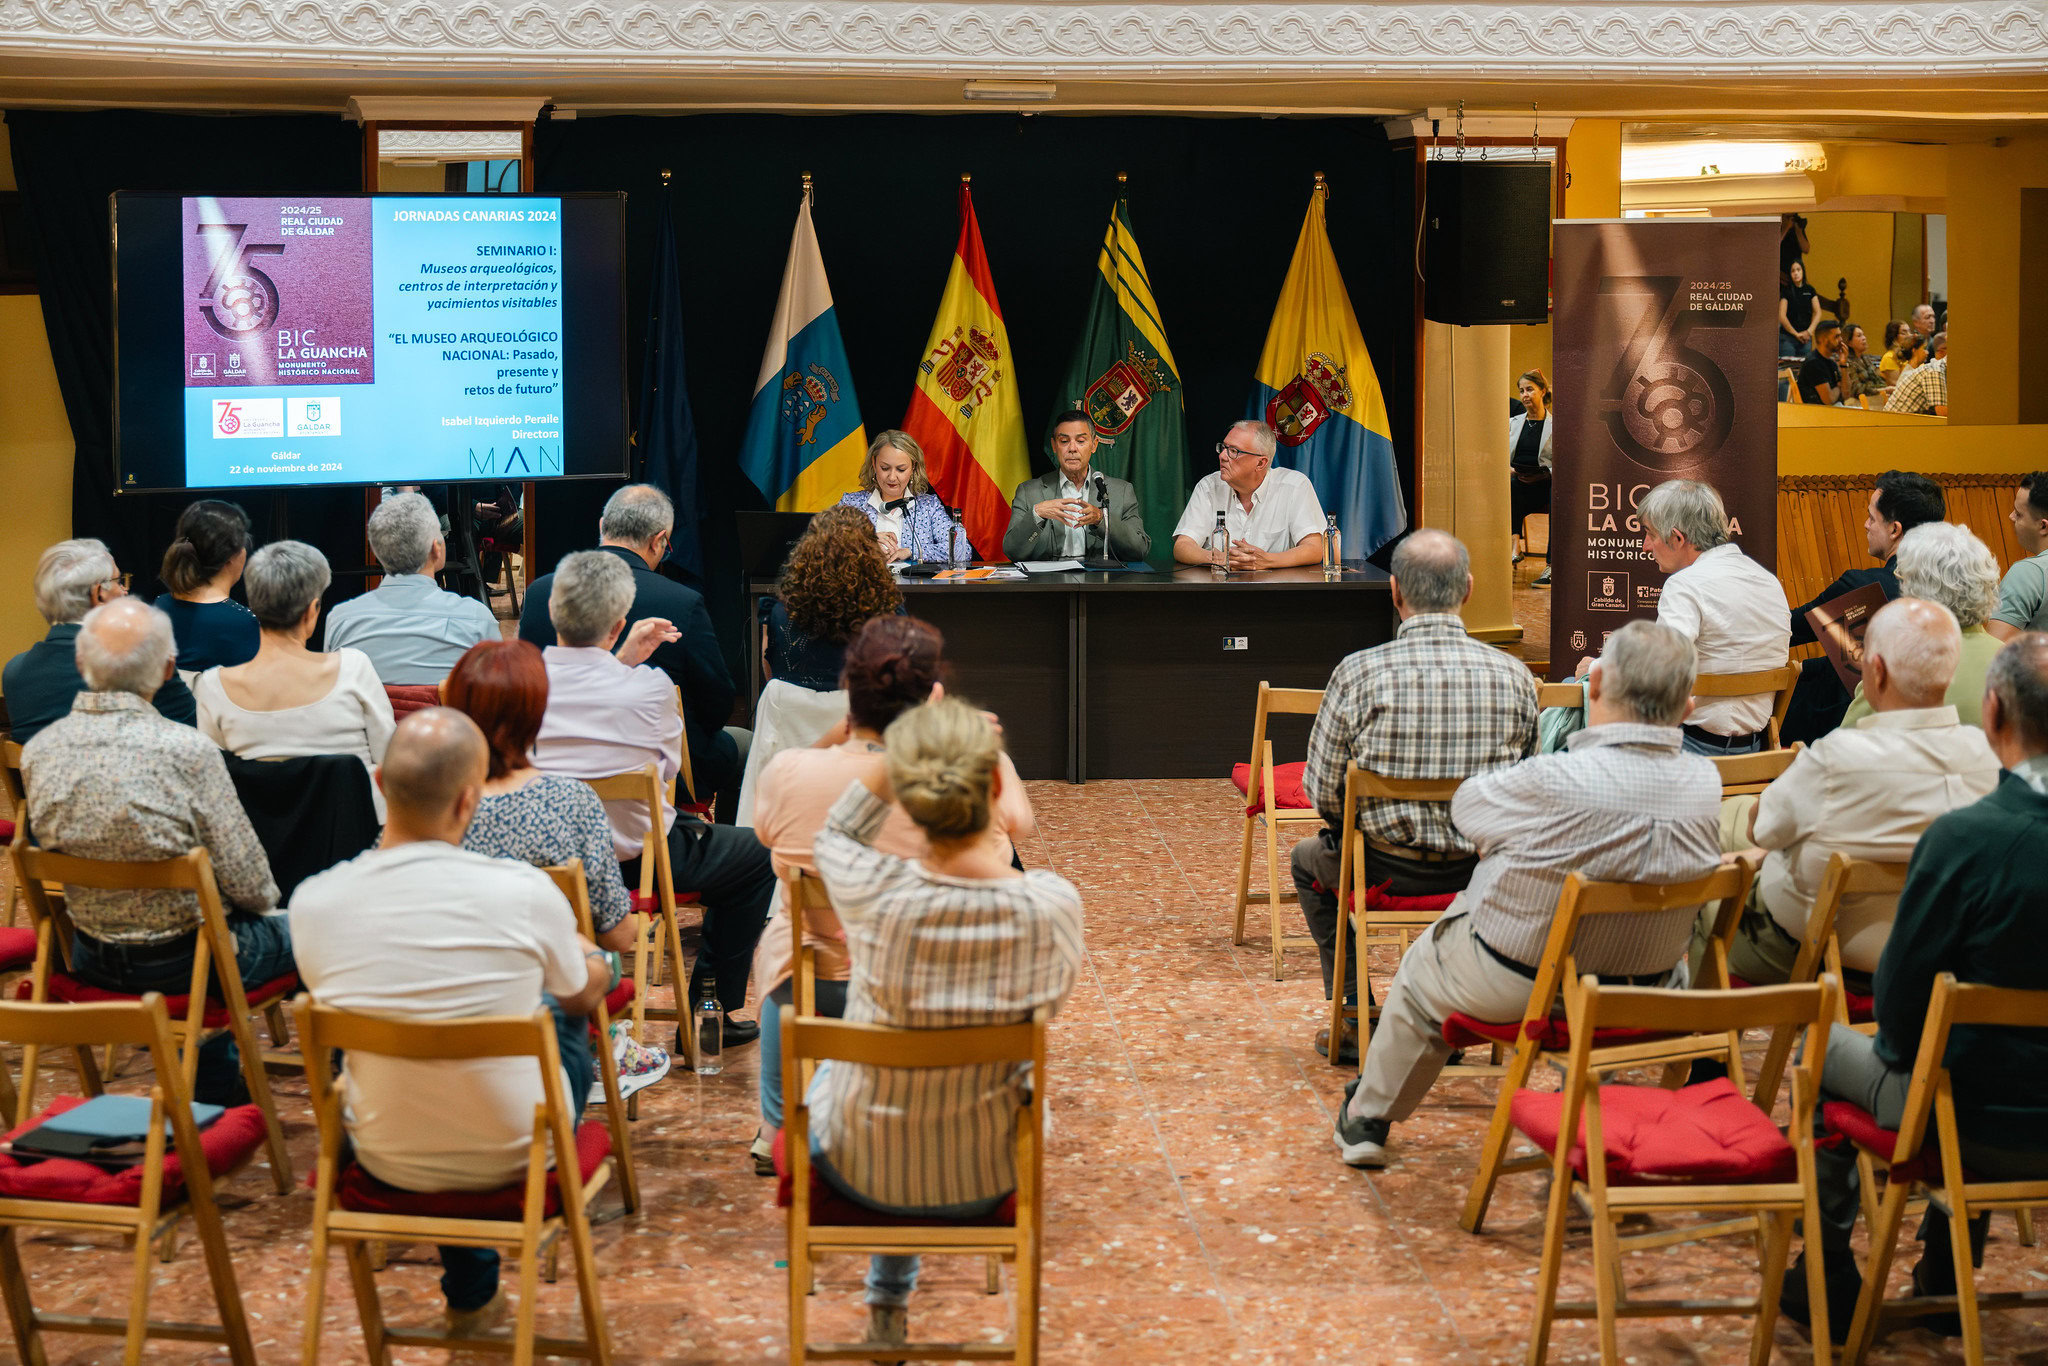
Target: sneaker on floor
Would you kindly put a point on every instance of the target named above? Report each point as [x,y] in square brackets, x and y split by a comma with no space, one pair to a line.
[763,1153]
[888,1326]
[1542,580]
[486,1320]
[1363,1142]
[640,1065]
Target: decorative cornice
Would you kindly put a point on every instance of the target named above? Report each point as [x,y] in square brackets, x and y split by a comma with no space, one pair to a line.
[1613,40]
[457,145]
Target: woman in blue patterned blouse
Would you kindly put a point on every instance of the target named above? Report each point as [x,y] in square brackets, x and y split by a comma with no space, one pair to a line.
[910,520]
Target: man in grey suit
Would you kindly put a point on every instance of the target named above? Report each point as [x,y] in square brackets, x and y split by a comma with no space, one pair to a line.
[1057,515]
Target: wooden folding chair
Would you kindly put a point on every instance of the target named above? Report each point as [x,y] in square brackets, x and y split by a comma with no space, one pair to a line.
[1372,924]
[1539,1037]
[655,902]
[1780,681]
[1011,1233]
[531,1215]
[803,893]
[1262,803]
[16,813]
[1924,1156]
[195,1016]
[1568,694]
[1635,1150]
[686,799]
[1745,775]
[144,1202]
[569,879]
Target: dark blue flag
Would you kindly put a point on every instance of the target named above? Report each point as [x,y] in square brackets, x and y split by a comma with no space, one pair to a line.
[667,437]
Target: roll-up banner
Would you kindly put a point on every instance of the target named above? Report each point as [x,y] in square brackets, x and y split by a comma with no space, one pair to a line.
[1665,353]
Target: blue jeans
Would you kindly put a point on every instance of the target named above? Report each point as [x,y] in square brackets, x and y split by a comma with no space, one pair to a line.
[469,1275]
[263,951]
[891,1279]
[831,1004]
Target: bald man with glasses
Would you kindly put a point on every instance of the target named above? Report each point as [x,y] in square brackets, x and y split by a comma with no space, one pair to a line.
[1272,515]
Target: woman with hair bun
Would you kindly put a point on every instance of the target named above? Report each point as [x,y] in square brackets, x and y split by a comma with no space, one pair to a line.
[956,937]
[200,568]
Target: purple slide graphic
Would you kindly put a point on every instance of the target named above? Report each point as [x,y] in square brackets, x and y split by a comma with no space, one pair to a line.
[278,292]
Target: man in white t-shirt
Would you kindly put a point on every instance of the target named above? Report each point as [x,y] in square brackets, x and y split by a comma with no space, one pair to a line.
[1272,515]
[420,928]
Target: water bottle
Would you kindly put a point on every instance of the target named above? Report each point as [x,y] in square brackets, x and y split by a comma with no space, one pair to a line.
[710,1031]
[1219,549]
[1333,548]
[961,553]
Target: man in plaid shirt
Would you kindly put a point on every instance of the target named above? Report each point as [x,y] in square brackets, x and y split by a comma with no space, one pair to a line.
[1430,703]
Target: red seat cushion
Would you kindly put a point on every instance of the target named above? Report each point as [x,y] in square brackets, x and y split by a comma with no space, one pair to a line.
[355,1189]
[1287,793]
[6,828]
[1555,1034]
[17,947]
[831,1209]
[1862,1009]
[648,903]
[1378,898]
[1704,1133]
[621,996]
[70,990]
[411,697]
[227,1143]
[1860,1127]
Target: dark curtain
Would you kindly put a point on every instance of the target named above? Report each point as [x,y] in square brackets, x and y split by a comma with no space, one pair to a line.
[1216,203]
[67,164]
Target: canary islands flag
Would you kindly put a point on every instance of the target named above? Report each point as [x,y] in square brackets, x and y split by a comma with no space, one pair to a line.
[1316,389]
[965,412]
[804,443]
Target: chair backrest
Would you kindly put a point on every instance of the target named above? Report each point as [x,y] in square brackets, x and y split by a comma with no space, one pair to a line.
[1779,680]
[1569,694]
[1274,701]
[643,785]
[570,883]
[689,778]
[1956,1003]
[802,893]
[1744,774]
[10,777]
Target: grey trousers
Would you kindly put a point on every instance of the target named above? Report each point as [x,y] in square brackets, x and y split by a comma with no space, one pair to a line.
[1315,864]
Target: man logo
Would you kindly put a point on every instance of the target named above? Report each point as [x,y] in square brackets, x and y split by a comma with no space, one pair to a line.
[540,460]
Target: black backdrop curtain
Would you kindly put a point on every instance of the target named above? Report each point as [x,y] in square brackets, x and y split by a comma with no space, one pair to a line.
[66,165]
[1217,204]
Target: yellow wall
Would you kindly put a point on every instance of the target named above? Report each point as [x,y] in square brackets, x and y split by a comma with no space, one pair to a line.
[1815,440]
[1914,177]
[35,465]
[1987,347]
[1858,246]
[1592,153]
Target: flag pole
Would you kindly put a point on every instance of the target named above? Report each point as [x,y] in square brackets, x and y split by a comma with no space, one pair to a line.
[808,196]
[1322,187]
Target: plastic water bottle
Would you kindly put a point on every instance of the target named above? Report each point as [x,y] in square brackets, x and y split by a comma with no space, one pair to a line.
[1333,547]
[1219,549]
[960,552]
[710,1031]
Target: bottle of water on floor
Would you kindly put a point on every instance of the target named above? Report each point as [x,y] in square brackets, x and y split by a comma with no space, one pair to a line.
[1333,548]
[710,1031]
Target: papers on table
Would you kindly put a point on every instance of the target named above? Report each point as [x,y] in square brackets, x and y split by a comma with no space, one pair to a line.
[1048,566]
[986,573]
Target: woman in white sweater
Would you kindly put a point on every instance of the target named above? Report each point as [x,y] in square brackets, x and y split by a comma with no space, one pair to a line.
[290,700]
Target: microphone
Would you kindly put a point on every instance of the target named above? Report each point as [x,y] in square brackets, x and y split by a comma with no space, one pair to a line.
[1102,501]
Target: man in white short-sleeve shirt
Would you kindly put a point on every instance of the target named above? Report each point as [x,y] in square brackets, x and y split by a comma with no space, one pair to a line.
[1272,515]
[420,928]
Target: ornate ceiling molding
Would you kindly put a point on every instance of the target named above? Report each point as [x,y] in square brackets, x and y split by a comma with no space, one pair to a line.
[1618,39]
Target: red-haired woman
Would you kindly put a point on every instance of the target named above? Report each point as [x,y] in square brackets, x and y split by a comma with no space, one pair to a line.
[544,818]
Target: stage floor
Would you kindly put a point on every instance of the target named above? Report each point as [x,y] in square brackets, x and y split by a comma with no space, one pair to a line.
[1197,1210]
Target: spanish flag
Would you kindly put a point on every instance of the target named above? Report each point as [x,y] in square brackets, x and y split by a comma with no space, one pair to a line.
[965,411]
[1316,389]
[804,443]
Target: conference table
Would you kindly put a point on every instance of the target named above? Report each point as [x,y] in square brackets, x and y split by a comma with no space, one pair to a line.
[1138,674]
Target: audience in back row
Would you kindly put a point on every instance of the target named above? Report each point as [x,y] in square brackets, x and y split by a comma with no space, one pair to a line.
[201,567]
[115,780]
[1947,564]
[72,578]
[409,629]
[1430,703]
[1924,388]
[2023,597]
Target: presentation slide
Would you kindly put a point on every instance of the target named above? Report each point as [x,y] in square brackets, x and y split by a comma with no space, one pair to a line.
[376,339]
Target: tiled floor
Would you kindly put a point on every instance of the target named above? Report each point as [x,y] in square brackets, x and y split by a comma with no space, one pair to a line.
[1197,1211]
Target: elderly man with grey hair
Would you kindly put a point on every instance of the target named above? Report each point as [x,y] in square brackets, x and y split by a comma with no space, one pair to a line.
[116,781]
[1272,516]
[1622,802]
[1731,608]
[1945,563]
[412,630]
[606,714]
[637,525]
[1430,703]
[72,578]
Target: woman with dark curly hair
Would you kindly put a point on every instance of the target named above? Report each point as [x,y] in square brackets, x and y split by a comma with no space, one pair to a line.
[836,580]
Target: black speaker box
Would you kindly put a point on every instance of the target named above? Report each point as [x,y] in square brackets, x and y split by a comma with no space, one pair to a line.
[1486,242]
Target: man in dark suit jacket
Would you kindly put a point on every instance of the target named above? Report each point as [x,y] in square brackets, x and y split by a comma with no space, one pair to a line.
[636,525]
[72,578]
[1075,497]
[1900,502]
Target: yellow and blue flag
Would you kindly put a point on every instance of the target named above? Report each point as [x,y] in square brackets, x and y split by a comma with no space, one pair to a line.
[805,442]
[1315,387]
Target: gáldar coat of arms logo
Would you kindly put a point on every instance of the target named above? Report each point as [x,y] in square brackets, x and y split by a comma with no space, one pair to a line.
[806,398]
[964,365]
[1308,399]
[1113,401]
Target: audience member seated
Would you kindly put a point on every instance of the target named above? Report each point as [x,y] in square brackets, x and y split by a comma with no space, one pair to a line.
[1923,389]
[422,929]
[836,579]
[72,578]
[607,715]
[635,529]
[1900,502]
[543,818]
[1944,563]
[1924,323]
[1975,905]
[116,781]
[2022,597]
[200,569]
[1624,802]
[1820,373]
[1902,350]
[1861,378]
[290,700]
[1867,791]
[955,938]
[892,665]
[1730,607]
[411,630]
[1430,703]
